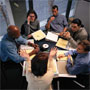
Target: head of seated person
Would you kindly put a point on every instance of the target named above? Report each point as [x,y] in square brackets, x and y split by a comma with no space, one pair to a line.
[76,24]
[39,64]
[32,15]
[83,46]
[13,32]
[55,10]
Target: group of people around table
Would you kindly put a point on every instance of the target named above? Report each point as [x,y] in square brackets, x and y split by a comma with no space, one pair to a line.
[39,71]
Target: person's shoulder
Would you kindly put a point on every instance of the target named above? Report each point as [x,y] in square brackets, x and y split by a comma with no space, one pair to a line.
[37,21]
[60,15]
[83,30]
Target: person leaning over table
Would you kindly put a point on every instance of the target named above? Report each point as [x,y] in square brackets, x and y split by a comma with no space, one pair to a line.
[81,62]
[31,25]
[56,23]
[10,56]
[39,70]
[75,33]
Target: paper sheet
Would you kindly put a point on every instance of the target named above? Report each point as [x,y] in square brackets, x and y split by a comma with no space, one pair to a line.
[31,57]
[28,50]
[62,43]
[60,52]
[38,35]
[31,40]
[52,36]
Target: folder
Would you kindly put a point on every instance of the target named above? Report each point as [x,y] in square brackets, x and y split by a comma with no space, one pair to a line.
[60,52]
[62,43]
[38,35]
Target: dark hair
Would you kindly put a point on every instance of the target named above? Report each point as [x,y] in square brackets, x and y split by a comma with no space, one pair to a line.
[85,44]
[39,64]
[33,12]
[55,6]
[78,22]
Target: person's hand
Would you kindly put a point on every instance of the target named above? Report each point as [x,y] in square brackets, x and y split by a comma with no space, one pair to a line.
[29,36]
[28,20]
[24,54]
[67,35]
[69,56]
[36,49]
[32,44]
[52,18]
[61,56]
[35,45]
[61,34]
[53,52]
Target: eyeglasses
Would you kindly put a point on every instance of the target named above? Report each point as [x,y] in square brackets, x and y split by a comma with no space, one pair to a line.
[32,16]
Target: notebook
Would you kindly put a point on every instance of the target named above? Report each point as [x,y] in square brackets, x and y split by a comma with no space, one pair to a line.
[38,35]
[62,43]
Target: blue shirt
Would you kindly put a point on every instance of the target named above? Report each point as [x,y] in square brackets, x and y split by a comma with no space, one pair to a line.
[58,24]
[81,64]
[9,49]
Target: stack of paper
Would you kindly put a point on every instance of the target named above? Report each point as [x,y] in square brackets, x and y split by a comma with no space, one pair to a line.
[31,57]
[38,35]
[52,36]
[28,49]
[62,43]
[61,52]
[31,40]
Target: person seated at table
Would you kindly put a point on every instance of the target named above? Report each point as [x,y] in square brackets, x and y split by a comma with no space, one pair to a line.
[11,58]
[56,23]
[75,33]
[81,62]
[39,71]
[31,25]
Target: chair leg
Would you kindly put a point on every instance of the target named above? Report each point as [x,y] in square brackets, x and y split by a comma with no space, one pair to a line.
[79,84]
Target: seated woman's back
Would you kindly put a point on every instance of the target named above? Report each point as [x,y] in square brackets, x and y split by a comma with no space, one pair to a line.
[39,71]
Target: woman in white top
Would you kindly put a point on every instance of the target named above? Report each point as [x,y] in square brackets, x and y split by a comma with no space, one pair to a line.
[39,70]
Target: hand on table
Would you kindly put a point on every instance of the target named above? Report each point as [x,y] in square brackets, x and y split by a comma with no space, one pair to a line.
[24,54]
[61,56]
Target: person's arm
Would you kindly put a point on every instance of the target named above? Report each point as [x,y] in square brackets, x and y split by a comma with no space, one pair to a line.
[68,36]
[75,69]
[38,26]
[36,48]
[65,29]
[26,28]
[48,23]
[28,62]
[65,23]
[71,52]
[12,54]
[21,40]
[51,56]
